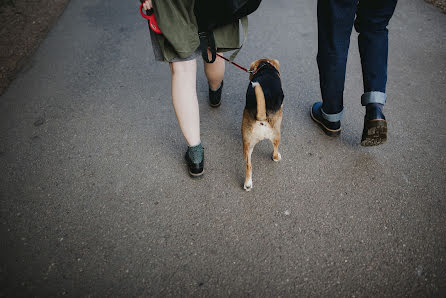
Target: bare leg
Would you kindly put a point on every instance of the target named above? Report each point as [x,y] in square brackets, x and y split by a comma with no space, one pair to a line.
[184,99]
[215,72]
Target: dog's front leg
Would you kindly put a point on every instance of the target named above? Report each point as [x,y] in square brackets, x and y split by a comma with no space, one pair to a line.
[247,151]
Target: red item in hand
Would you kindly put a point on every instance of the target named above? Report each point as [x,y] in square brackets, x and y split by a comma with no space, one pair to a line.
[150,16]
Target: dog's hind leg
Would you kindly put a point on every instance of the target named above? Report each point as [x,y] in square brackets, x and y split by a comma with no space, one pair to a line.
[275,138]
[247,151]
[276,154]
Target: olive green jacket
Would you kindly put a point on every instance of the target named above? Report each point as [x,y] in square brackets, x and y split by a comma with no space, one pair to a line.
[179,39]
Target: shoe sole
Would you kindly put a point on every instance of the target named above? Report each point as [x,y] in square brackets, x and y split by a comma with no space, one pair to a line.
[374,133]
[215,105]
[326,130]
[193,175]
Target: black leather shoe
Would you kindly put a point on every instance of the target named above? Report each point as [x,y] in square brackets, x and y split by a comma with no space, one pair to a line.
[215,97]
[195,169]
[332,129]
[375,127]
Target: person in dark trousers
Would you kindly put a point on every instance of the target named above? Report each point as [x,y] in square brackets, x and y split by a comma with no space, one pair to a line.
[336,19]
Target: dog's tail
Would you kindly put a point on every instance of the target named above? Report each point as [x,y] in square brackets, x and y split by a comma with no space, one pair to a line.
[261,105]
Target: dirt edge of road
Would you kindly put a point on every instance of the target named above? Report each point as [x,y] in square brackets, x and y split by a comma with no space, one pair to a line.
[23,26]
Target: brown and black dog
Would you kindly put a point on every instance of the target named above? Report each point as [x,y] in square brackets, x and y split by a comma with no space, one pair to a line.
[262,115]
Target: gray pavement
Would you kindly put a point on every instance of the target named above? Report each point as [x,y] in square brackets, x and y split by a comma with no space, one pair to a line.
[96,200]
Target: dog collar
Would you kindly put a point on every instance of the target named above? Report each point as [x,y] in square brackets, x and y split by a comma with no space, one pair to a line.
[262,65]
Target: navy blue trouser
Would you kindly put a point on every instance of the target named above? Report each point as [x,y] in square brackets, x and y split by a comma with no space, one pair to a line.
[335,21]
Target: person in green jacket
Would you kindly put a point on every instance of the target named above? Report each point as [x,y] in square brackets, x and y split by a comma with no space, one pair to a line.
[178,45]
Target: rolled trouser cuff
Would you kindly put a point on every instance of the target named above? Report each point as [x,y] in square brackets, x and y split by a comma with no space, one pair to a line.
[373,97]
[333,117]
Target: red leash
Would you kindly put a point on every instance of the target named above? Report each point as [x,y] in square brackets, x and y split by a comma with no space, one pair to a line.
[241,67]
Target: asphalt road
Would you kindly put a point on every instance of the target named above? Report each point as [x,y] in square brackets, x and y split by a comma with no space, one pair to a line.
[96,200]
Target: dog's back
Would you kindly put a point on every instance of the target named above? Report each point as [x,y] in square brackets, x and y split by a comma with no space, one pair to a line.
[271,88]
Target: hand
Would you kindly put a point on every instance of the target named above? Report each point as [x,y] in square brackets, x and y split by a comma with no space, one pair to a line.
[147,5]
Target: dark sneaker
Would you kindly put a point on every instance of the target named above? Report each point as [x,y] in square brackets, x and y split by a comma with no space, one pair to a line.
[195,161]
[215,97]
[332,129]
[375,127]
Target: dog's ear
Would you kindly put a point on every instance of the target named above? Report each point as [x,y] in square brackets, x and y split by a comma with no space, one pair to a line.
[276,64]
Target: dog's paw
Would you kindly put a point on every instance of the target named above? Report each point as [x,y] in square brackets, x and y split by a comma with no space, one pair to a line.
[248,185]
[277,158]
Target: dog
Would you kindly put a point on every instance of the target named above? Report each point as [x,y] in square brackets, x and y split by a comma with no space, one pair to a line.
[262,116]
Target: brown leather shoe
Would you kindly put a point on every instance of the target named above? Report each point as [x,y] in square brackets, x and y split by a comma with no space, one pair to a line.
[375,127]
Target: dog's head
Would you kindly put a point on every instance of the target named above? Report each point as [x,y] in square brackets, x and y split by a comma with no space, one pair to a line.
[260,64]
